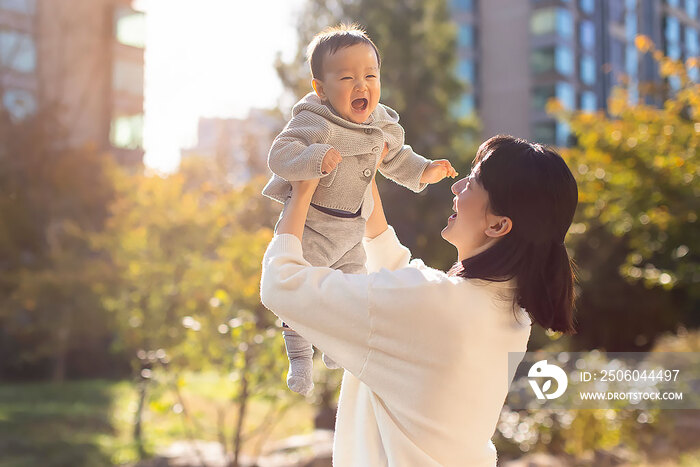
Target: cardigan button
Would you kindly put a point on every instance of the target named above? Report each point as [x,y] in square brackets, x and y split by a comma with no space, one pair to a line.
[375,149]
[368,131]
[367,173]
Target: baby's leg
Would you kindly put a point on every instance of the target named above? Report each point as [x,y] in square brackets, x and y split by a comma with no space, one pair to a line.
[300,354]
[353,261]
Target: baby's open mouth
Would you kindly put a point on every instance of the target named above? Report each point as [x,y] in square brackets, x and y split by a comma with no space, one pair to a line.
[359,104]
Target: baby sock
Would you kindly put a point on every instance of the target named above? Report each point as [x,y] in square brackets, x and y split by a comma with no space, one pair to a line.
[330,363]
[300,353]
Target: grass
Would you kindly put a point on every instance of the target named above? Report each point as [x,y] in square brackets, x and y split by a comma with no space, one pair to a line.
[90,423]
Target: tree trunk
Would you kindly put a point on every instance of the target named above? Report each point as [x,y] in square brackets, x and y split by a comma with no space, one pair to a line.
[143,386]
[59,367]
[242,405]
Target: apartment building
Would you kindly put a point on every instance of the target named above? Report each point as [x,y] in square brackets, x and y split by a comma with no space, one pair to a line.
[84,58]
[516,54]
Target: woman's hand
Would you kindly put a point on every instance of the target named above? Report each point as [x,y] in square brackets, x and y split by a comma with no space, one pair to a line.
[376,224]
[297,208]
[304,187]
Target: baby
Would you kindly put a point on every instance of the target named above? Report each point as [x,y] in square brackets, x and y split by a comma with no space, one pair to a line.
[338,133]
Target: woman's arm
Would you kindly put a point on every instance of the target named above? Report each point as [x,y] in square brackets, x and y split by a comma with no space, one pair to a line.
[376,224]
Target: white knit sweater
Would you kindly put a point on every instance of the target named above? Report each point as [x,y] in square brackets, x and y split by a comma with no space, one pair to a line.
[426,355]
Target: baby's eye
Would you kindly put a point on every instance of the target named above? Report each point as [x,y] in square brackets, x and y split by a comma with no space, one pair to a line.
[371,76]
[345,78]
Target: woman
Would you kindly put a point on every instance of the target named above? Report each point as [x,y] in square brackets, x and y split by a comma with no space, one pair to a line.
[426,352]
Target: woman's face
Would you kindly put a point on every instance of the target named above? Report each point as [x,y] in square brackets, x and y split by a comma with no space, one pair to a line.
[473,227]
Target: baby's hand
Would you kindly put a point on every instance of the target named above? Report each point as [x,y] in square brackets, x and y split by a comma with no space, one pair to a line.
[330,161]
[437,170]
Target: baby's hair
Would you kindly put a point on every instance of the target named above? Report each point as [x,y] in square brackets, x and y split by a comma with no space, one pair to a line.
[328,41]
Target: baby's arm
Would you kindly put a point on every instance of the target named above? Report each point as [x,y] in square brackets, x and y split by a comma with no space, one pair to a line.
[404,167]
[414,171]
[298,152]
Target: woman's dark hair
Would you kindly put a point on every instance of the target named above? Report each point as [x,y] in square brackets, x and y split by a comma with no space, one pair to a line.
[531,184]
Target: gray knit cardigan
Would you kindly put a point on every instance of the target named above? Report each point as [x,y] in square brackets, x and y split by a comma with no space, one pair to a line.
[297,153]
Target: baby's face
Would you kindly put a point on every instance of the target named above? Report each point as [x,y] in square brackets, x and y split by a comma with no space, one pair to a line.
[351,82]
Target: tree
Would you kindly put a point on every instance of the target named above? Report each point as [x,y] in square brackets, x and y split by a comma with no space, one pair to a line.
[637,219]
[51,198]
[417,43]
[54,193]
[186,252]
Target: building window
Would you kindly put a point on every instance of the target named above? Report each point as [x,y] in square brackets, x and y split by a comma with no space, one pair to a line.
[564,60]
[559,58]
[694,74]
[563,91]
[589,101]
[691,8]
[540,96]
[587,70]
[587,35]
[552,20]
[20,6]
[19,103]
[543,21]
[544,132]
[672,31]
[673,3]
[466,105]
[587,6]
[463,4]
[562,134]
[128,77]
[17,51]
[692,48]
[465,71]
[631,61]
[672,34]
[127,131]
[130,27]
[542,60]
[631,20]
[566,95]
[465,35]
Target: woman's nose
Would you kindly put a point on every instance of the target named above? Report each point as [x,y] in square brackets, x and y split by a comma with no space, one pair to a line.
[457,186]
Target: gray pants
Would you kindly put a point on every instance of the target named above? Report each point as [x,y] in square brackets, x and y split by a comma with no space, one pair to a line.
[334,242]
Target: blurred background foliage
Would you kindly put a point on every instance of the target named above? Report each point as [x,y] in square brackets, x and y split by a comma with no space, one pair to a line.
[635,237]
[152,282]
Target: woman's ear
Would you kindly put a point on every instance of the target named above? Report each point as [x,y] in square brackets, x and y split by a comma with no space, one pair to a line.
[498,226]
[318,88]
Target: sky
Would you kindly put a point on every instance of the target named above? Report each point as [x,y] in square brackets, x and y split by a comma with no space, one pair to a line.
[209,58]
